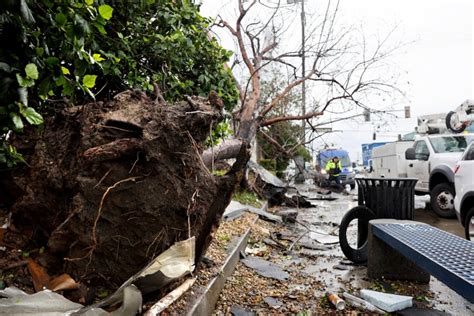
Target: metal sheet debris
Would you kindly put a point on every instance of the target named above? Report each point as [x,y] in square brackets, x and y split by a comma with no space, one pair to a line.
[265,268]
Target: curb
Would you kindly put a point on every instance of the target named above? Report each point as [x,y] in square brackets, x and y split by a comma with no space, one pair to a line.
[206,302]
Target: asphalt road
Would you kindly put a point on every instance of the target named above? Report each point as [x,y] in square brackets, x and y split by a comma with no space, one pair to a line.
[426,215]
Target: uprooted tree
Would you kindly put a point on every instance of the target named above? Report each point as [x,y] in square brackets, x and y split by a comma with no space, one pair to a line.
[339,59]
[111,178]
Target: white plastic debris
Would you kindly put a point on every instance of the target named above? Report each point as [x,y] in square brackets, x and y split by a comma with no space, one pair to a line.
[388,302]
[174,263]
[362,304]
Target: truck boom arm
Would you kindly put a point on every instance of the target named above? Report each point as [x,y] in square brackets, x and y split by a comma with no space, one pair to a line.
[459,119]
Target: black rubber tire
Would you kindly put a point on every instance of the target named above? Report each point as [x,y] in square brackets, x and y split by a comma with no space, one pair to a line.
[452,129]
[467,220]
[363,215]
[437,190]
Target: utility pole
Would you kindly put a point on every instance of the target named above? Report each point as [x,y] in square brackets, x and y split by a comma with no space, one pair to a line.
[303,70]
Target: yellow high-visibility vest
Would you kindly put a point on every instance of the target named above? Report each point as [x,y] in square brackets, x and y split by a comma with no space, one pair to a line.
[332,165]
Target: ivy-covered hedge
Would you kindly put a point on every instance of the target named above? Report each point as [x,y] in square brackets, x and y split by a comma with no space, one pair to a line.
[80,50]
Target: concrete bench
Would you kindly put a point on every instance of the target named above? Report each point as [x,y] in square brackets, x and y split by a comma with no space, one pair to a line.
[408,250]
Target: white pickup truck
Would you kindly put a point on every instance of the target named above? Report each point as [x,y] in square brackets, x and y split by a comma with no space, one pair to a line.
[431,160]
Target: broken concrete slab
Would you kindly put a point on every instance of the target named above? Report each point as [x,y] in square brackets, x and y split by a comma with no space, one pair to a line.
[237,310]
[266,175]
[266,215]
[311,244]
[324,238]
[265,268]
[387,302]
[234,210]
[272,302]
[288,215]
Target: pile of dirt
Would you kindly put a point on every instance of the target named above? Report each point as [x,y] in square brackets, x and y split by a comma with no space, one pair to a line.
[111,185]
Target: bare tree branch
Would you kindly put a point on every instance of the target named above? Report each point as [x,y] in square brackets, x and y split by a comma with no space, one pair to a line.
[274,120]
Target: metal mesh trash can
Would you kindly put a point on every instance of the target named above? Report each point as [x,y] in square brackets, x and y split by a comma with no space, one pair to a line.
[378,198]
[388,197]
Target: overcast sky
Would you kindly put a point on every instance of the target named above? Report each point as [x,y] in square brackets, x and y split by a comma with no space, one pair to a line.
[436,67]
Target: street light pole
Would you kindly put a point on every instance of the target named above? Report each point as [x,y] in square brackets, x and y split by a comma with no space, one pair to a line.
[303,70]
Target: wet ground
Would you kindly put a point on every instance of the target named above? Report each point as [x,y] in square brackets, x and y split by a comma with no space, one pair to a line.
[328,214]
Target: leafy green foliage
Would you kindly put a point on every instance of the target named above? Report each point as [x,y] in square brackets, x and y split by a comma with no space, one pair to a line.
[246,197]
[222,131]
[92,49]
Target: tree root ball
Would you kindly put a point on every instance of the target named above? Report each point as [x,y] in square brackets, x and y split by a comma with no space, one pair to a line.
[110,186]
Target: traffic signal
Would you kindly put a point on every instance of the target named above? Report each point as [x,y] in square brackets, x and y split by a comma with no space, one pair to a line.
[407,111]
[366,115]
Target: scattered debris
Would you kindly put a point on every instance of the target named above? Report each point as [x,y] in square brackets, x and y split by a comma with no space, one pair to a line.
[323,198]
[265,268]
[336,301]
[288,215]
[387,302]
[416,311]
[258,249]
[266,184]
[324,238]
[46,302]
[341,267]
[266,215]
[272,302]
[237,310]
[166,301]
[362,304]
[234,210]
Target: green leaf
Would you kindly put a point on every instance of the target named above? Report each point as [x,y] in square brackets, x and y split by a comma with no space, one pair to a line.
[17,122]
[24,82]
[89,81]
[89,2]
[60,18]
[65,71]
[100,28]
[39,51]
[32,116]
[31,71]
[98,58]
[52,61]
[105,11]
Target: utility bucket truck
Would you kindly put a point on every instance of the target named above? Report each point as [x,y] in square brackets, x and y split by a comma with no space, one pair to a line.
[430,158]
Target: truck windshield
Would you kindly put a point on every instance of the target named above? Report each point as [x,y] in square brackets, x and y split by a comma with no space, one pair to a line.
[450,144]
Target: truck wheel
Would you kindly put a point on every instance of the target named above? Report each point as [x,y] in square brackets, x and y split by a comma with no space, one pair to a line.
[363,215]
[449,124]
[469,224]
[442,200]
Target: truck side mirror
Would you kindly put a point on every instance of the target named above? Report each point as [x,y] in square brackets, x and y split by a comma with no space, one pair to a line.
[410,154]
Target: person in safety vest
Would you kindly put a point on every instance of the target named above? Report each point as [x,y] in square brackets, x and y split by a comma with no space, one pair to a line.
[334,168]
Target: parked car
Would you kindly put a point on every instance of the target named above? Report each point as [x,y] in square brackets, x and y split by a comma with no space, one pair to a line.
[464,183]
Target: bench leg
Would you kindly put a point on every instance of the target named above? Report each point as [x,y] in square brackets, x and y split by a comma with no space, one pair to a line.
[385,262]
